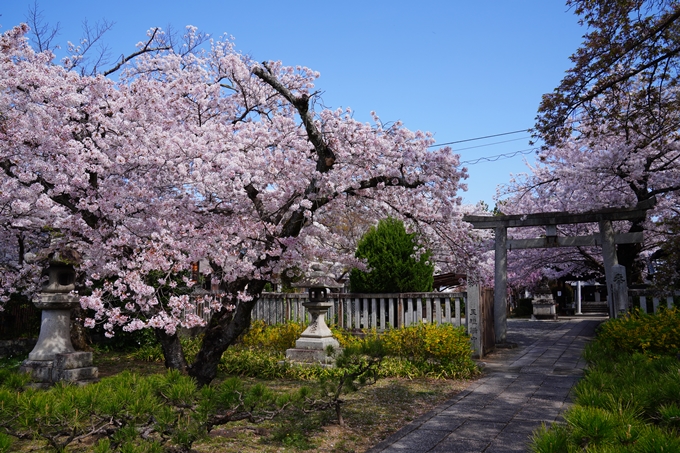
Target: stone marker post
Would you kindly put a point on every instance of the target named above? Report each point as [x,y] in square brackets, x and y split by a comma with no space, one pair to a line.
[619,290]
[473,319]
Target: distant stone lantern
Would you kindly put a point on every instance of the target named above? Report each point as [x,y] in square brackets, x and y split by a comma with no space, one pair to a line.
[53,358]
[544,304]
[312,345]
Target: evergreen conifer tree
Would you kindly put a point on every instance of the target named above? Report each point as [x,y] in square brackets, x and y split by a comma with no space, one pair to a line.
[395,266]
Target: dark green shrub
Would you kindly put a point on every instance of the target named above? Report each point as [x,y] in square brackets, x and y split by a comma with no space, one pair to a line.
[19,318]
[122,340]
[524,307]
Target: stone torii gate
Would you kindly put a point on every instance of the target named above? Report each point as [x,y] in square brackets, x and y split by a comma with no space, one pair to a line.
[606,238]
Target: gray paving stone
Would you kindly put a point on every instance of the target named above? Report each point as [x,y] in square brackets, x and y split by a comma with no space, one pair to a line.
[443,422]
[560,381]
[395,449]
[454,445]
[523,427]
[551,394]
[509,442]
[490,414]
[421,440]
[478,430]
[538,414]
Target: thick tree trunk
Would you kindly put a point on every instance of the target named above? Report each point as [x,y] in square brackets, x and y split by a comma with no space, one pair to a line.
[172,350]
[80,337]
[223,330]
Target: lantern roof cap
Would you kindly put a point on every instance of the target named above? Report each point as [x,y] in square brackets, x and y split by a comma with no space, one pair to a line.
[317,278]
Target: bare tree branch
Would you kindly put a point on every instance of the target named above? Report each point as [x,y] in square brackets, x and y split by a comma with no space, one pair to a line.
[43,34]
[326,157]
[147,48]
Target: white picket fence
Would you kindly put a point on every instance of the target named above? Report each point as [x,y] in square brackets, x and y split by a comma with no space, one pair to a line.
[367,311]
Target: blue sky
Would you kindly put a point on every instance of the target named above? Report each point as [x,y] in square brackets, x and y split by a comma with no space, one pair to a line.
[460,69]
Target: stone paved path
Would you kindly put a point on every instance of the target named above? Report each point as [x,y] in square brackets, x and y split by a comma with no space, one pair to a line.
[521,389]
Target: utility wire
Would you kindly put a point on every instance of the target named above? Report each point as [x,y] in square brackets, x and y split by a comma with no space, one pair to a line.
[489,144]
[499,156]
[479,138]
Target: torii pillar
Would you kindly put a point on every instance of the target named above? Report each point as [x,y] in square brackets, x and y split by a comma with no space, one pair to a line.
[609,259]
[500,284]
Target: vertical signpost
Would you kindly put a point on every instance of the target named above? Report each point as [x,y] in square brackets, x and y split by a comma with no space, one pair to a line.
[472,308]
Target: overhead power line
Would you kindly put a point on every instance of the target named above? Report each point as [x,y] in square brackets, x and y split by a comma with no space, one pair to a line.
[499,156]
[479,138]
[490,144]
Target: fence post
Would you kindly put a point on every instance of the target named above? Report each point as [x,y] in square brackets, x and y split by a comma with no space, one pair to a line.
[400,313]
[374,314]
[456,308]
[418,315]
[390,312]
[643,304]
[357,313]
[383,300]
[409,312]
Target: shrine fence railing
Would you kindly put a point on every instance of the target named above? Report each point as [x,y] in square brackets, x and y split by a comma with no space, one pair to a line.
[362,311]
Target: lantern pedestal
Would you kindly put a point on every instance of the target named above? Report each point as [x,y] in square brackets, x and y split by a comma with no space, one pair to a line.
[544,311]
[312,345]
[544,304]
[53,358]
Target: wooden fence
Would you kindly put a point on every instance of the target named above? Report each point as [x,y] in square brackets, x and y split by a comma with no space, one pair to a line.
[648,302]
[367,311]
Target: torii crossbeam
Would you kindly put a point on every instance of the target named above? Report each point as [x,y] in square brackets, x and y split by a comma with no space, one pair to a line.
[607,239]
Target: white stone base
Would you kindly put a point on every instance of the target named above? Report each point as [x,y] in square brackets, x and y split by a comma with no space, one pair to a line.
[313,350]
[545,311]
[316,343]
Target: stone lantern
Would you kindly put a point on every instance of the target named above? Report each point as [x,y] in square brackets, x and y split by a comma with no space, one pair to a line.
[53,358]
[544,303]
[312,345]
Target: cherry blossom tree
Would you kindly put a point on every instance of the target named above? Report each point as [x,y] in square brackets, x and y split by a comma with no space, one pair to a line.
[198,153]
[595,170]
[610,131]
[621,73]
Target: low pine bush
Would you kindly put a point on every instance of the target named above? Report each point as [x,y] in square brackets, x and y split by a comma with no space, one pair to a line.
[132,413]
[629,399]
